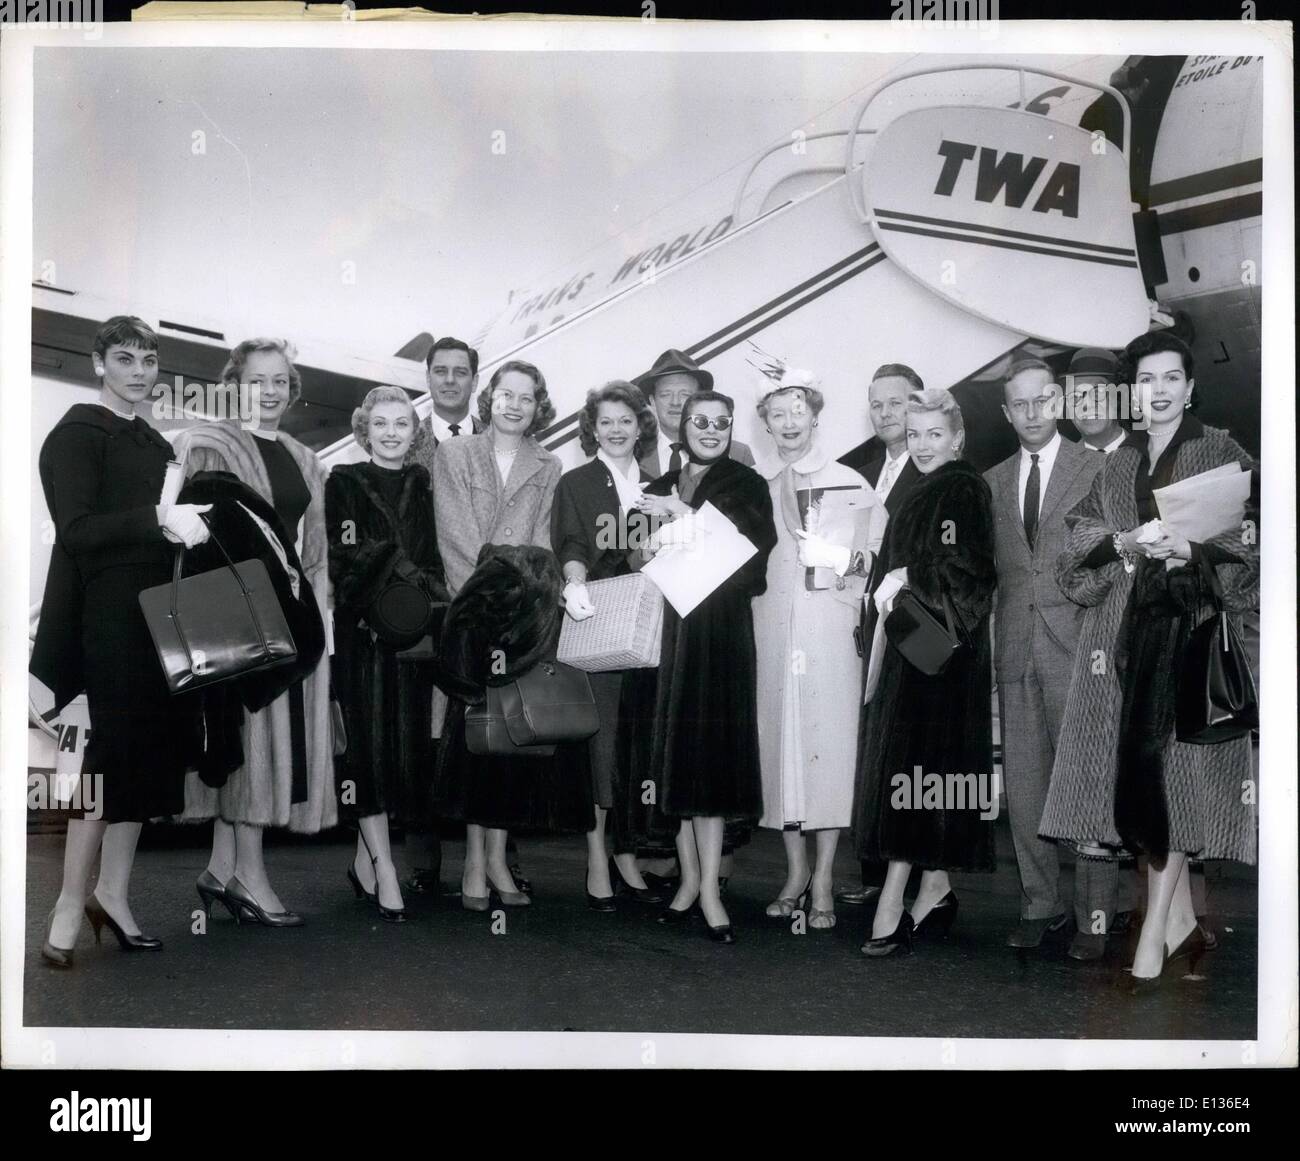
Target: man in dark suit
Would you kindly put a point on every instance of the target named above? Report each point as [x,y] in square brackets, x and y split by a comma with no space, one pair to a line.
[675,377]
[1036,637]
[451,372]
[884,461]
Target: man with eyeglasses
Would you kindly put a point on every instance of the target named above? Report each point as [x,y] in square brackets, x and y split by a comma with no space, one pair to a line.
[1099,400]
[1036,637]
[673,379]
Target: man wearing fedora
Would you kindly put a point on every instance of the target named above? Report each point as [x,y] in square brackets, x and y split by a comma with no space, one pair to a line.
[673,379]
[1094,388]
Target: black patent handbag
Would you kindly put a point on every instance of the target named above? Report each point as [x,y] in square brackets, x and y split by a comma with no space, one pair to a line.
[1216,699]
[217,625]
[927,643]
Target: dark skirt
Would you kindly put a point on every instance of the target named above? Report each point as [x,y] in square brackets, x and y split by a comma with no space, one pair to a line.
[387,715]
[518,794]
[689,729]
[141,737]
[943,725]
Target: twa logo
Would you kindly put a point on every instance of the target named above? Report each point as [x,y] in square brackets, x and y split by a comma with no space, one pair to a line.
[1010,174]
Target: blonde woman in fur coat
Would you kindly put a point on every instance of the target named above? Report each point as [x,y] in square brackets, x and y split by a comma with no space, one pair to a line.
[288,774]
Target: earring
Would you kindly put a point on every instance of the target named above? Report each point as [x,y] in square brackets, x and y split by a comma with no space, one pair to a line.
[1187,403]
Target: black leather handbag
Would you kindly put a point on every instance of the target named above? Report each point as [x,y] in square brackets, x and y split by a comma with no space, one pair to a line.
[1216,699]
[927,643]
[217,625]
[402,611]
[527,717]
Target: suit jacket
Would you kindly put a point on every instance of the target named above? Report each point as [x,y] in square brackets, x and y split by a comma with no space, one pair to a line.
[586,502]
[1028,594]
[903,484]
[472,507]
[654,469]
[424,455]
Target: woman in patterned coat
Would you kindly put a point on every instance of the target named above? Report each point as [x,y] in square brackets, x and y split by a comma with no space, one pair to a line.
[1121,779]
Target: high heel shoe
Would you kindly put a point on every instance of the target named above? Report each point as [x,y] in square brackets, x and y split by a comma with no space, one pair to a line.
[243,906]
[670,916]
[59,957]
[508,898]
[900,937]
[475,902]
[387,914]
[1192,948]
[783,906]
[211,890]
[361,892]
[645,894]
[937,922]
[99,918]
[723,934]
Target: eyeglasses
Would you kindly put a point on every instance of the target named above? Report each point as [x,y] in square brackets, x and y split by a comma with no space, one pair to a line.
[703,422]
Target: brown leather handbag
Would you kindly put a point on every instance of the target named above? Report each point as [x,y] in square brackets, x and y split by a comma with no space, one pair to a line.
[527,717]
[217,625]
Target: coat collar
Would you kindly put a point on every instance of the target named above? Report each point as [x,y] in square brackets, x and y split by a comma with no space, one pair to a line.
[1188,429]
[528,461]
[813,461]
[137,428]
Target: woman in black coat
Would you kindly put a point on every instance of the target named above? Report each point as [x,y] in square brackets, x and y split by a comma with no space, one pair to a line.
[696,738]
[379,520]
[595,530]
[928,752]
[102,470]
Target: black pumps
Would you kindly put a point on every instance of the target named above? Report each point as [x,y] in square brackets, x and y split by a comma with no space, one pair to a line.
[937,922]
[900,937]
[100,918]
[59,957]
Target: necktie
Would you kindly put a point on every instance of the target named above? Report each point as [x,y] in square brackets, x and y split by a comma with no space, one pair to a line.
[675,461]
[1031,501]
[887,476]
[455,429]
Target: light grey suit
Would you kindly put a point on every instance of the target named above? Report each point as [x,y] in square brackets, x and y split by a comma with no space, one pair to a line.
[1036,635]
[473,507]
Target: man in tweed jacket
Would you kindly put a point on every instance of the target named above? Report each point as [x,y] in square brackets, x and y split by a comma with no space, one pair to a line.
[1036,635]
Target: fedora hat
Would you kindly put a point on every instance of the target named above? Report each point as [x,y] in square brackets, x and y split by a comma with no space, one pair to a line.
[1094,361]
[674,362]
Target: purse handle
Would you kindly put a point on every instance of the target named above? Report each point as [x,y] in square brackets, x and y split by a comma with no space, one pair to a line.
[1212,582]
[239,580]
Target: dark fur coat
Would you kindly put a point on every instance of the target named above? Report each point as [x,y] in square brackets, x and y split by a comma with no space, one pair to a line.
[943,535]
[386,701]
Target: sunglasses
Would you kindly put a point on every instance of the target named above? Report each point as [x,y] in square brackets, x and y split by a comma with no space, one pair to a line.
[702,422]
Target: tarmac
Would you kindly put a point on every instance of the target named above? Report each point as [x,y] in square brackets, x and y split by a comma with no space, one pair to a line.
[558,966]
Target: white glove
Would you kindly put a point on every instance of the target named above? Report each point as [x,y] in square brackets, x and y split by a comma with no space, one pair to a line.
[815,552]
[681,531]
[577,603]
[182,525]
[890,586]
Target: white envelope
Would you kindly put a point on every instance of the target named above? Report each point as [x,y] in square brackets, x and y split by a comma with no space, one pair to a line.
[686,574]
[1206,505]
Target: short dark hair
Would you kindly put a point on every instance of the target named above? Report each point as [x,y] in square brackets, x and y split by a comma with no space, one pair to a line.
[448,343]
[693,404]
[631,396]
[1154,343]
[125,330]
[545,408]
[901,371]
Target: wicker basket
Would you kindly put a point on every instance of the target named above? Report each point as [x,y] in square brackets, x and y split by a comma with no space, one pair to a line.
[626,631]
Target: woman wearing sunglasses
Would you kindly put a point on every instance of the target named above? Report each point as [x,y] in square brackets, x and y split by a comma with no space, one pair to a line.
[694,737]
[829,528]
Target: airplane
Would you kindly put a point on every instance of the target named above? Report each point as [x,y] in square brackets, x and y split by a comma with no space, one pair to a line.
[962,213]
